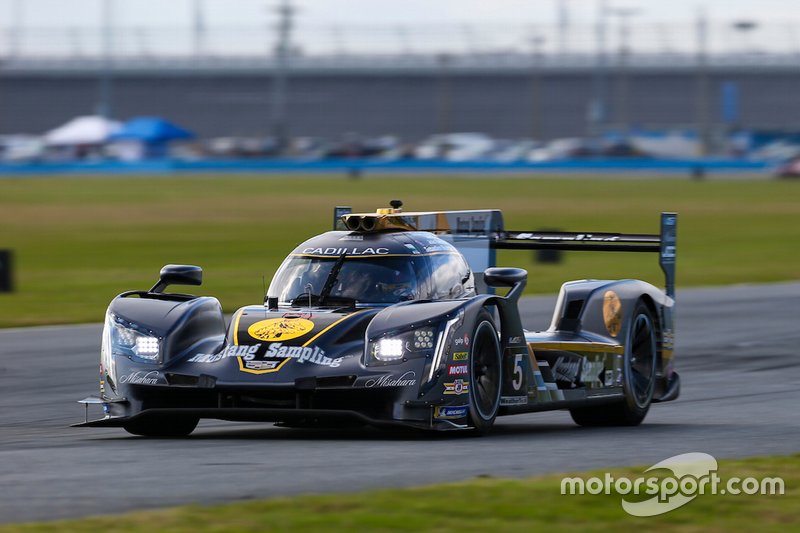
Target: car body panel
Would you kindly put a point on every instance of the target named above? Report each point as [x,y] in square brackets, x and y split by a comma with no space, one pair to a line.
[299,362]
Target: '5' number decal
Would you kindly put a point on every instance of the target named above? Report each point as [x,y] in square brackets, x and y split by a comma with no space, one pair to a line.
[517,383]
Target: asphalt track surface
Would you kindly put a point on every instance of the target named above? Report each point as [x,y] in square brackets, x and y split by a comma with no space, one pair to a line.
[737,353]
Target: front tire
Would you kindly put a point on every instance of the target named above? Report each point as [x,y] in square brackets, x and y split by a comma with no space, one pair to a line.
[485,371]
[162,426]
[639,373]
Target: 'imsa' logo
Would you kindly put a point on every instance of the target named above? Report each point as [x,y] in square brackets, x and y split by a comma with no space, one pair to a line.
[458,387]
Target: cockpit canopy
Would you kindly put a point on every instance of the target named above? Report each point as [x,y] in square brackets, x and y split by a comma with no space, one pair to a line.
[343,268]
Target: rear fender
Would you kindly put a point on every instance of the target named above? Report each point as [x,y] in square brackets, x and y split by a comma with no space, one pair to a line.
[580,310]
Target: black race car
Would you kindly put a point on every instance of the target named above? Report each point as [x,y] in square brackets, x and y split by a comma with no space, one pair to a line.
[392,320]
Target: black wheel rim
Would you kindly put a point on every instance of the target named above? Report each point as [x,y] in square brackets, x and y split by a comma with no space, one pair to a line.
[641,361]
[485,384]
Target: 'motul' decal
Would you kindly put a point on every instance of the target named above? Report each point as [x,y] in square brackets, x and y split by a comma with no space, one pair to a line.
[280,329]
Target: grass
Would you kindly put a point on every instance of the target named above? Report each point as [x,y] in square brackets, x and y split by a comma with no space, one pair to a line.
[80,241]
[481,504]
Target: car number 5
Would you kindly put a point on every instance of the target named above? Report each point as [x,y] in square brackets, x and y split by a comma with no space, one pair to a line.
[517,383]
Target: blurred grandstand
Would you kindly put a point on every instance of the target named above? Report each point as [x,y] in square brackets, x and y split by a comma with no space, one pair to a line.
[616,88]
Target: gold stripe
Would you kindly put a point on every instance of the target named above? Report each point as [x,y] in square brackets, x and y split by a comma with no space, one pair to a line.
[532,357]
[236,326]
[312,339]
[593,347]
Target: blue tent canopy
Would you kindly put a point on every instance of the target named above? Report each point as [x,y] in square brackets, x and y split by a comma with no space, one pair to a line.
[150,130]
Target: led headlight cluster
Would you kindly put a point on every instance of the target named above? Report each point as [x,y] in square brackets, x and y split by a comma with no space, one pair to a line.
[403,345]
[423,338]
[146,347]
[129,340]
[388,349]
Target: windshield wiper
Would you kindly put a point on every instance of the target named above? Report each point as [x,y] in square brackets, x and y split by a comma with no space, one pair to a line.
[332,275]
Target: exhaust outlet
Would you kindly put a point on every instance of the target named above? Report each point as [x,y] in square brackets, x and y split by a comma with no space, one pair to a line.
[352,223]
[368,223]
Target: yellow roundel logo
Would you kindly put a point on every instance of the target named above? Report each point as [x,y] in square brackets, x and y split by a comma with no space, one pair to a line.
[612,312]
[280,329]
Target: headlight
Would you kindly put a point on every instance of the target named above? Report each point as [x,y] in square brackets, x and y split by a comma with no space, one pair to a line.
[396,347]
[129,340]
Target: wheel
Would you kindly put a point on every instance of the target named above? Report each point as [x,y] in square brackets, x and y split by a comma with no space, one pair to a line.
[639,377]
[485,374]
[162,426]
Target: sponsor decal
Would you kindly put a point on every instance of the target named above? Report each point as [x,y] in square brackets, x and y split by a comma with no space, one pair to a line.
[587,237]
[460,356]
[141,378]
[352,238]
[612,312]
[244,351]
[471,223]
[462,341]
[450,412]
[262,365]
[280,329]
[514,340]
[302,354]
[513,400]
[458,370]
[404,380]
[345,251]
[566,369]
[206,358]
[590,373]
[458,387]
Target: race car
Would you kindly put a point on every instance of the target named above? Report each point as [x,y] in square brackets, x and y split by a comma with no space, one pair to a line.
[394,319]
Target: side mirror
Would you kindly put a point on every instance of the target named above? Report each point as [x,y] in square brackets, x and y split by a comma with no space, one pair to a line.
[504,277]
[178,275]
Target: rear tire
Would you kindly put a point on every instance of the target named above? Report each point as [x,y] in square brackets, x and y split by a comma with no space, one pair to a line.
[639,377]
[162,426]
[485,372]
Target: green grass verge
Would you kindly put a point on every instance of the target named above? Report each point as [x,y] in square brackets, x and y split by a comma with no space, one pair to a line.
[80,241]
[483,504]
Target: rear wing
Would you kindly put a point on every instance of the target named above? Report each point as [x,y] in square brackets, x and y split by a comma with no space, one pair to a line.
[477,234]
[662,243]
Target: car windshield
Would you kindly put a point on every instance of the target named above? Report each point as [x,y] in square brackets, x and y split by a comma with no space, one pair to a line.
[330,280]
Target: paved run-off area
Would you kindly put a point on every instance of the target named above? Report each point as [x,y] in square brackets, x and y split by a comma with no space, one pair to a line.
[736,352]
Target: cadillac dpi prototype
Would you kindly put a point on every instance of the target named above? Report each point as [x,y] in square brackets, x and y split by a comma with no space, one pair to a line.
[393,319]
